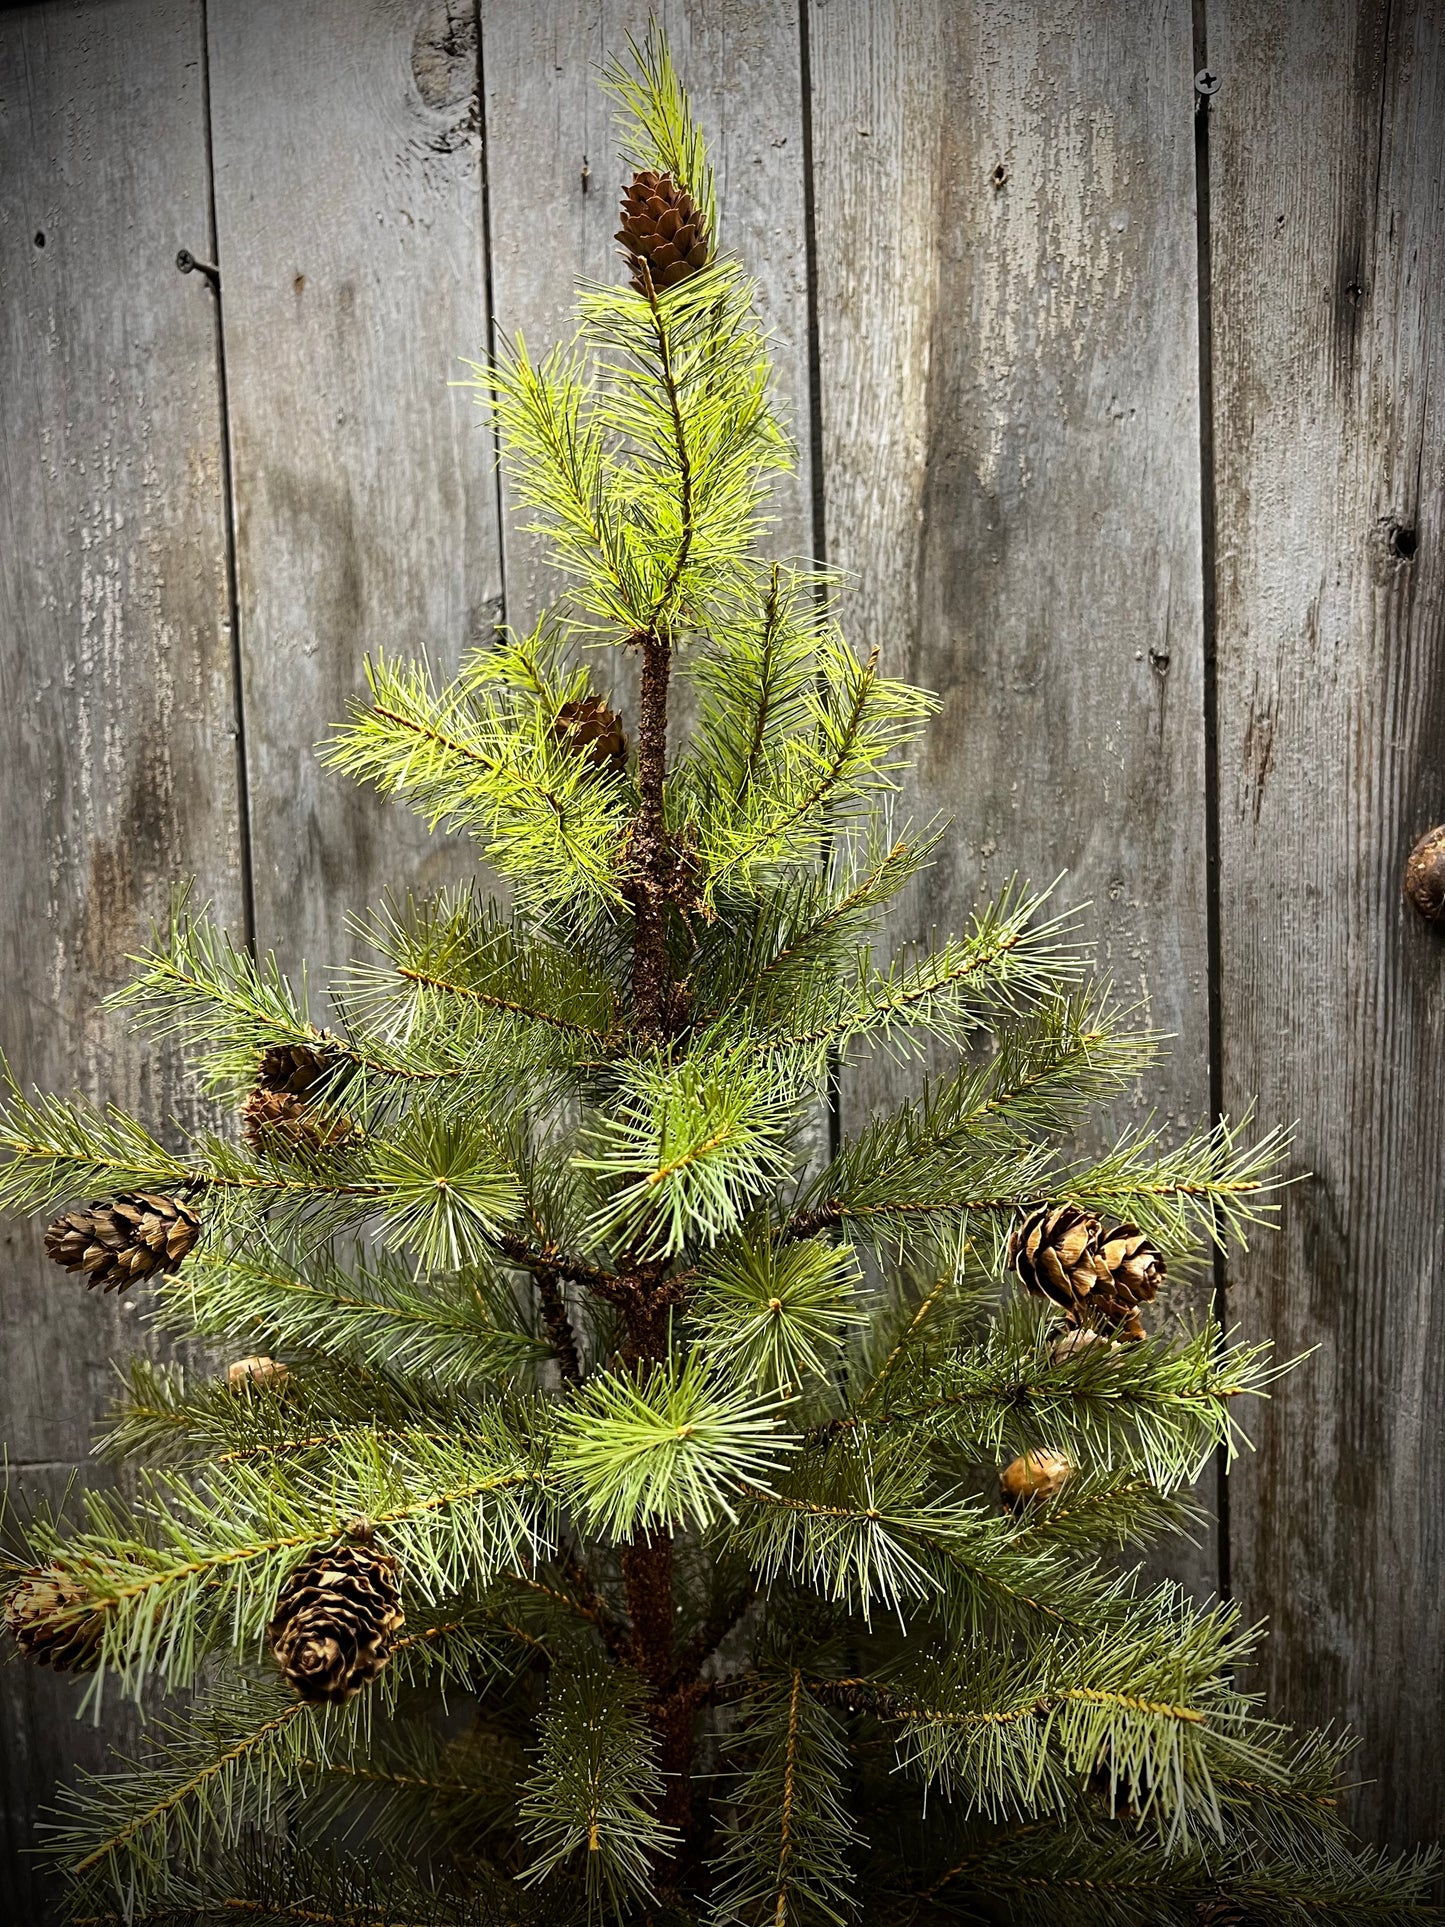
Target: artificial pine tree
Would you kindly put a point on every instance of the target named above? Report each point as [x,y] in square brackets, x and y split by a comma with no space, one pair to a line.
[603,1521]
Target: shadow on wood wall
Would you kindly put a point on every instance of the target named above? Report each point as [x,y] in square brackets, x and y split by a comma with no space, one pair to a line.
[1114,397]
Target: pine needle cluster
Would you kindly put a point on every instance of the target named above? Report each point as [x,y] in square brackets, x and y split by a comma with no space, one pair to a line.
[680,1440]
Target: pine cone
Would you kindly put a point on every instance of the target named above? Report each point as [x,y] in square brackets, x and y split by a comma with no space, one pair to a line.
[594,732]
[1055,1253]
[1135,1271]
[296,1070]
[52,1621]
[1222,1912]
[336,1618]
[1034,1475]
[282,1121]
[662,234]
[120,1240]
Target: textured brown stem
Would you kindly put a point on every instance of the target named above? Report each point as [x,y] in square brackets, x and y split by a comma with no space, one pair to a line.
[643,1290]
[649,881]
[560,1335]
[518,1252]
[647,1584]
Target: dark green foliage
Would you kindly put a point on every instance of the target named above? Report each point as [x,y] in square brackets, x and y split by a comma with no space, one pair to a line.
[685,1441]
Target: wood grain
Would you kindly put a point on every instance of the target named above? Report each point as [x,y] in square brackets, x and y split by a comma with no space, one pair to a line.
[350,232]
[1009,373]
[1327,156]
[118,770]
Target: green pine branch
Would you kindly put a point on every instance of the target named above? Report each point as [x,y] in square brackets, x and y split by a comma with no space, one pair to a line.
[471,760]
[593,1796]
[785,1859]
[193,1564]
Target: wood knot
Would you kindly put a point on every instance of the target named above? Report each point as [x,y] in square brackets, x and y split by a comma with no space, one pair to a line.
[1425,875]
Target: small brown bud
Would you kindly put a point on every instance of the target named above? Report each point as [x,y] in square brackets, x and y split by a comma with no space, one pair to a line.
[261,1373]
[1034,1475]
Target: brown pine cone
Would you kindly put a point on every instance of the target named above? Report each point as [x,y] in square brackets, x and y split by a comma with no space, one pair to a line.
[296,1070]
[335,1621]
[1054,1251]
[1135,1270]
[594,732]
[1222,1912]
[120,1240]
[662,234]
[52,1621]
[1034,1475]
[281,1121]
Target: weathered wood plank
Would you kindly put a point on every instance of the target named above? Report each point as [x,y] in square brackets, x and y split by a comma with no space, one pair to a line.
[1009,380]
[118,767]
[547,120]
[1327,152]
[350,236]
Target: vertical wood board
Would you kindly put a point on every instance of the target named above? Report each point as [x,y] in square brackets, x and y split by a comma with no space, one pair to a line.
[1009,377]
[1327,148]
[118,768]
[350,235]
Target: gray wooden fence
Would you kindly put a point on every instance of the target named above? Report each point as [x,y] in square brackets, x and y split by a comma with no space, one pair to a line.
[1119,411]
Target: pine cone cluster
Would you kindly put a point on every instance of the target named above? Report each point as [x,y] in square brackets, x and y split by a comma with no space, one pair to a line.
[52,1621]
[1097,1278]
[335,1621]
[594,732]
[118,1241]
[282,1114]
[662,233]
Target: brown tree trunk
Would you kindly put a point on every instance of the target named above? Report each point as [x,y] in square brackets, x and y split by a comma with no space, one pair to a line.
[647,1575]
[649,863]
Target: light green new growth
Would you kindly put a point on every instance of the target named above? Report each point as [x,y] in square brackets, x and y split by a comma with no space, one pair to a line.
[683,1431]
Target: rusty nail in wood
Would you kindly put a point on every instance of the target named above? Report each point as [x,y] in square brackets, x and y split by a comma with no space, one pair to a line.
[188,264]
